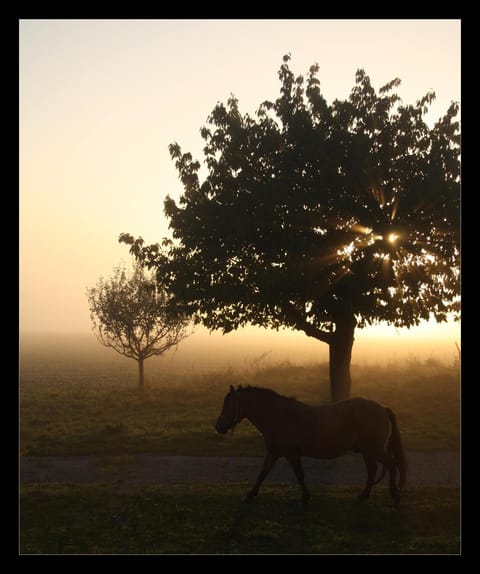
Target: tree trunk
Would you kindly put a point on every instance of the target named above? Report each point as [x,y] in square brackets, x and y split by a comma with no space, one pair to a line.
[341,344]
[141,378]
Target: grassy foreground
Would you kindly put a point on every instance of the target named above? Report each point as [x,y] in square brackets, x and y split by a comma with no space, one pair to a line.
[72,413]
[64,411]
[211,519]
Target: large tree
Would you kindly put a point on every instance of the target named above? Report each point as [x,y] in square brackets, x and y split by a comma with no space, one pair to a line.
[318,217]
[131,314]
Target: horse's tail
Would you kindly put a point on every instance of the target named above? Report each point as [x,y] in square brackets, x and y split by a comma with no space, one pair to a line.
[396,448]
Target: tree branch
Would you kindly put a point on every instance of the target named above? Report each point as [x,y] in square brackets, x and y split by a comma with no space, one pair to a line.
[297,320]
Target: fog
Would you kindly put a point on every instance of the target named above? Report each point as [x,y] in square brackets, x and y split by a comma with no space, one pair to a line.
[251,349]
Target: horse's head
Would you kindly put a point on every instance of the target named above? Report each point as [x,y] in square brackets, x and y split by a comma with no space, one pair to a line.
[229,416]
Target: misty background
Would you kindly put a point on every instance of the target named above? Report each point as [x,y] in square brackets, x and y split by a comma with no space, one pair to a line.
[101,100]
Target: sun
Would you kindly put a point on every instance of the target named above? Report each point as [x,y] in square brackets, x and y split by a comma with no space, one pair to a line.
[392,238]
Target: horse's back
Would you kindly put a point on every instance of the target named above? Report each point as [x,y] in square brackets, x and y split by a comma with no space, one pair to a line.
[359,411]
[356,402]
[352,424]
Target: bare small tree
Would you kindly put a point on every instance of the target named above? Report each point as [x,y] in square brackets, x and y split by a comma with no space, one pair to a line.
[130,314]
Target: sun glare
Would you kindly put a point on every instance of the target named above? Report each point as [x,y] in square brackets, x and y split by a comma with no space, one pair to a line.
[392,238]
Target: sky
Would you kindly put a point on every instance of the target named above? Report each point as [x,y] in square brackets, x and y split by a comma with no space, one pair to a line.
[101,100]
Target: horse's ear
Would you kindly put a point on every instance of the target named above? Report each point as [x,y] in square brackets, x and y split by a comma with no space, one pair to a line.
[232,390]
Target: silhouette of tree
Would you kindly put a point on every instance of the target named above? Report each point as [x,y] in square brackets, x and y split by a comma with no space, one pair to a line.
[130,314]
[318,217]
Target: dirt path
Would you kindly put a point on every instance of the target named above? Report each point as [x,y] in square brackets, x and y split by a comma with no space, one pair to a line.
[441,468]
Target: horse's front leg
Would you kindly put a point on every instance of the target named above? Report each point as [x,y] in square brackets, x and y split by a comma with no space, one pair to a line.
[296,464]
[268,464]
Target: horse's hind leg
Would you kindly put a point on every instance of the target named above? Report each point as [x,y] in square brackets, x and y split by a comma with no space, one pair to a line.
[296,464]
[394,492]
[391,465]
[371,465]
[268,464]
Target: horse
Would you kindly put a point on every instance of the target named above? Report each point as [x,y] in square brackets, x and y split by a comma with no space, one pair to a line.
[292,429]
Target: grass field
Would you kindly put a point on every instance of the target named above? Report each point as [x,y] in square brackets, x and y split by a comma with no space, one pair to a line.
[211,519]
[71,405]
[70,413]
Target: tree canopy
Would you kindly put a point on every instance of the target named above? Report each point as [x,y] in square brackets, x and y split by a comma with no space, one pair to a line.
[313,206]
[312,212]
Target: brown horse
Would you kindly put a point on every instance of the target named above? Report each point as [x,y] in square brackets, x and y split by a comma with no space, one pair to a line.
[293,429]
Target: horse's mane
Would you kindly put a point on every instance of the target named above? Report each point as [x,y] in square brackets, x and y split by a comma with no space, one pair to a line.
[264,391]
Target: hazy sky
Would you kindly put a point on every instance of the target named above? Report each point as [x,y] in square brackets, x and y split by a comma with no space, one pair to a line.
[101,100]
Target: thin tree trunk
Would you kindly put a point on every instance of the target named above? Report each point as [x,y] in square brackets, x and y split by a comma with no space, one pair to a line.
[141,378]
[341,345]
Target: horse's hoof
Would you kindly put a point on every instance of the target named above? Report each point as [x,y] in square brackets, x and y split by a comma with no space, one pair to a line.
[363,496]
[305,500]
[248,499]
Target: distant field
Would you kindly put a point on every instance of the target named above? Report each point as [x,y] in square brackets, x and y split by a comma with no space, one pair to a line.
[72,406]
[210,518]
